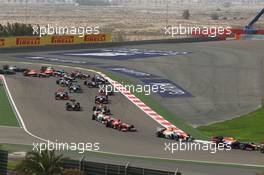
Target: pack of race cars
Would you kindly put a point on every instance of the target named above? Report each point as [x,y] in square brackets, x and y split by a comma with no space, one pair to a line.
[233,143]
[101,112]
[69,81]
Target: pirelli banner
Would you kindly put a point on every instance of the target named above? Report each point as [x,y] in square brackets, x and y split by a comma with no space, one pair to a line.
[53,40]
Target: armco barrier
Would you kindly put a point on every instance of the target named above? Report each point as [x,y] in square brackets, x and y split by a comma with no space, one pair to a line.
[29,41]
[3,162]
[93,168]
[96,45]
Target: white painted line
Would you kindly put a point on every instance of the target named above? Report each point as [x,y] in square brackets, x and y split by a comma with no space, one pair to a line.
[20,119]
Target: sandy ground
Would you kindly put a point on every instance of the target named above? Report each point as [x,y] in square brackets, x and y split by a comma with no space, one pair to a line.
[130,22]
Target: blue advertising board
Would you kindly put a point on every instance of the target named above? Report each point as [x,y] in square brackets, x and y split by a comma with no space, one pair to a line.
[130,72]
[122,53]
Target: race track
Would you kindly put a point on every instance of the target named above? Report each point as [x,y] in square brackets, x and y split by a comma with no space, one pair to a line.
[223,77]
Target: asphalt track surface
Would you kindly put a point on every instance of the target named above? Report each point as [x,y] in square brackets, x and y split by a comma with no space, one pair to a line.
[214,65]
[224,77]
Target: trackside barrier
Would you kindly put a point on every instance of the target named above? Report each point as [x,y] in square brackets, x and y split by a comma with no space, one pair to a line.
[93,168]
[29,41]
[3,162]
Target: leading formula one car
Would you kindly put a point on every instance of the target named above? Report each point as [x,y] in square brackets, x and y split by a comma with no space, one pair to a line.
[73,106]
[244,146]
[170,133]
[61,95]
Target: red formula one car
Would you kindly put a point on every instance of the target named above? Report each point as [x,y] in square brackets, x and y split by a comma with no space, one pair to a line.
[31,73]
[117,124]
[47,71]
[124,127]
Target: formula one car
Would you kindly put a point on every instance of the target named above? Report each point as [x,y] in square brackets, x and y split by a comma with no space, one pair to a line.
[99,79]
[73,106]
[124,127]
[61,95]
[59,73]
[43,75]
[48,71]
[262,147]
[117,124]
[75,88]
[169,133]
[13,68]
[224,140]
[79,75]
[7,72]
[244,146]
[64,83]
[31,73]
[69,78]
[100,117]
[91,84]
[100,108]
[107,90]
[101,99]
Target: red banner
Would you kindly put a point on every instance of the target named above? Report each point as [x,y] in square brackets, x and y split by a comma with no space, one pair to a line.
[2,42]
[95,38]
[28,41]
[62,39]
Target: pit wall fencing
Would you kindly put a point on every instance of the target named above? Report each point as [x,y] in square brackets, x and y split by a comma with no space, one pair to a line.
[94,168]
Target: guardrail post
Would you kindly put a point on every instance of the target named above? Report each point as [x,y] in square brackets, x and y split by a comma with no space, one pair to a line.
[106,169]
[126,167]
[118,170]
[80,162]
[176,172]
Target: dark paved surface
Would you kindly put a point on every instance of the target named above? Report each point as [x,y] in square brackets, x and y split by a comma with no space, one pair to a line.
[48,119]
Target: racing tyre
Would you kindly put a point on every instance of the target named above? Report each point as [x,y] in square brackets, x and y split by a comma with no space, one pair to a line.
[242,146]
[262,150]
